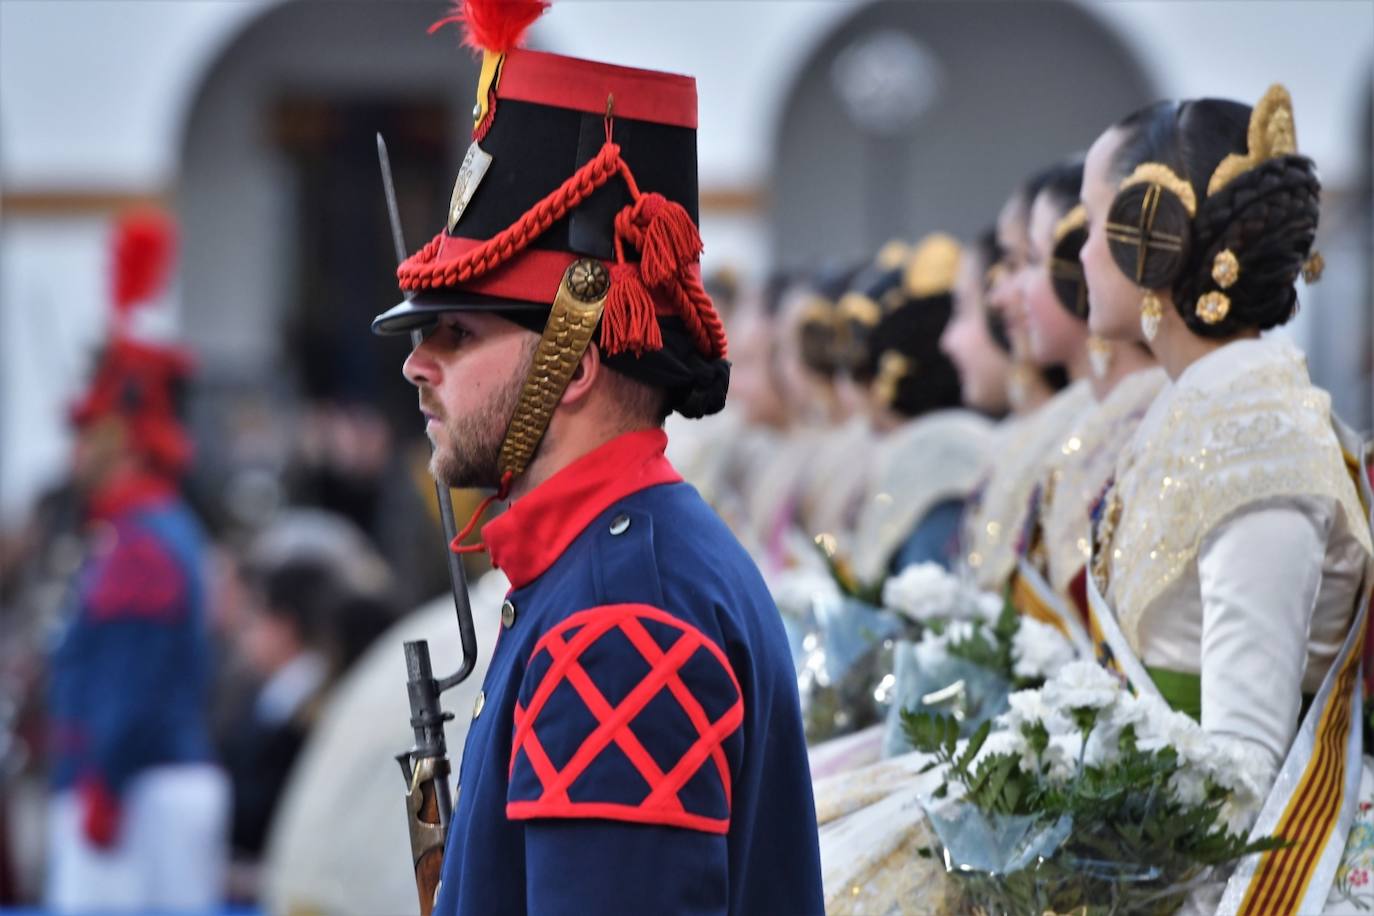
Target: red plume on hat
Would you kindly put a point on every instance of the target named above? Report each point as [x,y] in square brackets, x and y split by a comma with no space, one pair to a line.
[137,379]
[493,25]
[648,239]
[144,249]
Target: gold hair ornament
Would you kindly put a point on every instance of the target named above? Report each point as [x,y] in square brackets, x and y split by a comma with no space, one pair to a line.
[567,334]
[1225,268]
[1213,307]
[1312,268]
[892,255]
[859,308]
[818,310]
[1157,173]
[932,267]
[892,368]
[1271,134]
[1076,218]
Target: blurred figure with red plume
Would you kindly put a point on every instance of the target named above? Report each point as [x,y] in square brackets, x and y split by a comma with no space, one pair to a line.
[138,814]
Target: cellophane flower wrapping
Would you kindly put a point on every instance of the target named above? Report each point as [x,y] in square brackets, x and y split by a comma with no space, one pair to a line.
[1085,798]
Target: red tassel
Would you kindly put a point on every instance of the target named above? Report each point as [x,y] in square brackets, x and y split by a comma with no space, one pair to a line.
[629,320]
[493,25]
[671,239]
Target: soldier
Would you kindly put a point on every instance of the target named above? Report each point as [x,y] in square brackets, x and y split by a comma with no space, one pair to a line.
[139,812]
[637,743]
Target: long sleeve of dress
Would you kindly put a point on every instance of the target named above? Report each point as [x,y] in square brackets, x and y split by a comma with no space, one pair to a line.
[1260,573]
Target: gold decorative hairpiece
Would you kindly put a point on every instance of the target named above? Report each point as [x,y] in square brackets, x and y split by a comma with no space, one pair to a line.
[1074,219]
[1213,307]
[891,255]
[1225,268]
[858,307]
[1160,174]
[818,310]
[892,368]
[933,266]
[1270,134]
[1312,268]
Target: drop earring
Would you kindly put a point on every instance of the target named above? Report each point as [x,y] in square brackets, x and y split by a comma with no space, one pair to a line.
[1099,356]
[1151,311]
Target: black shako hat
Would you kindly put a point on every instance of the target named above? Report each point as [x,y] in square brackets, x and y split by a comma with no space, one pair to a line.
[581,180]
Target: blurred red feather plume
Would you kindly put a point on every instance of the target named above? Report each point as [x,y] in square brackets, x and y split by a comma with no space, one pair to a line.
[144,245]
[493,25]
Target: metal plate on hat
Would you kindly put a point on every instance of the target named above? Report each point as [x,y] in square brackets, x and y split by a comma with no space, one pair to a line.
[470,175]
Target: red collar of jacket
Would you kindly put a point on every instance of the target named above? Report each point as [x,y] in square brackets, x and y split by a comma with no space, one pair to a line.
[129,492]
[531,535]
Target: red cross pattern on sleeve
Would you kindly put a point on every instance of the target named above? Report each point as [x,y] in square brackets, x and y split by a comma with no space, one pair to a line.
[655,751]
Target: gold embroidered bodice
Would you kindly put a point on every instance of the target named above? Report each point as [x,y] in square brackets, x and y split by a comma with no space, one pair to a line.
[995,519]
[1206,451]
[1079,471]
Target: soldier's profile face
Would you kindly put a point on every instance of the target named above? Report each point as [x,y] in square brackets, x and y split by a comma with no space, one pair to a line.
[469,370]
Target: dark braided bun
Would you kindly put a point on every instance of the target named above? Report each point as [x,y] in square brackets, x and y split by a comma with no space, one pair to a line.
[1267,218]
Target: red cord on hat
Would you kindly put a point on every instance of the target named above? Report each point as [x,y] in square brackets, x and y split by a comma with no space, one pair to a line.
[660,229]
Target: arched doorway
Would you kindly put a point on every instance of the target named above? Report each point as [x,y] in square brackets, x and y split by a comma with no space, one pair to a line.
[287,255]
[910,117]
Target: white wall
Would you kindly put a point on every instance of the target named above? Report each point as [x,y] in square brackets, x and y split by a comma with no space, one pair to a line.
[93,96]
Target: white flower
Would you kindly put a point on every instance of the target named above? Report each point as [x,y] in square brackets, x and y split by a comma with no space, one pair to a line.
[797,591]
[1063,755]
[988,606]
[1188,786]
[1245,771]
[1038,650]
[1162,728]
[1104,746]
[1082,684]
[1004,741]
[924,591]
[1028,707]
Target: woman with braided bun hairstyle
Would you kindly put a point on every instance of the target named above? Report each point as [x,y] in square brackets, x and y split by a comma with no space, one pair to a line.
[1041,415]
[1124,379]
[929,449]
[975,339]
[1232,555]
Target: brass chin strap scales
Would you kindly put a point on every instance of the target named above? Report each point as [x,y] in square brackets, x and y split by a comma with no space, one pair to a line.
[573,318]
[576,310]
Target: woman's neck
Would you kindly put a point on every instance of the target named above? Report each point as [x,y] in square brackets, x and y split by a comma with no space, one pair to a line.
[1177,347]
[1127,359]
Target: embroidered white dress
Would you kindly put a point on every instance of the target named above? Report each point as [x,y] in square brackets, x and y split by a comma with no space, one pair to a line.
[1235,547]
[994,521]
[1241,544]
[931,459]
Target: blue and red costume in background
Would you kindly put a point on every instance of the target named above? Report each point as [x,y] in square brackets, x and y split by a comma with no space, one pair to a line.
[129,677]
[637,745]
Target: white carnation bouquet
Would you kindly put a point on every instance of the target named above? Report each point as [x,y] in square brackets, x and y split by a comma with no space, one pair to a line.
[973,649]
[1087,798]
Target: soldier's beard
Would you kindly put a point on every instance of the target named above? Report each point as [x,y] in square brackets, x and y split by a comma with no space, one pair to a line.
[468,448]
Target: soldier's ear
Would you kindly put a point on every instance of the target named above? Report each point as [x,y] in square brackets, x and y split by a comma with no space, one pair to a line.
[584,377]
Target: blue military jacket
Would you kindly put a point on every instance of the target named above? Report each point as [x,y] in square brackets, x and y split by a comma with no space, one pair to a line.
[637,745]
[129,678]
